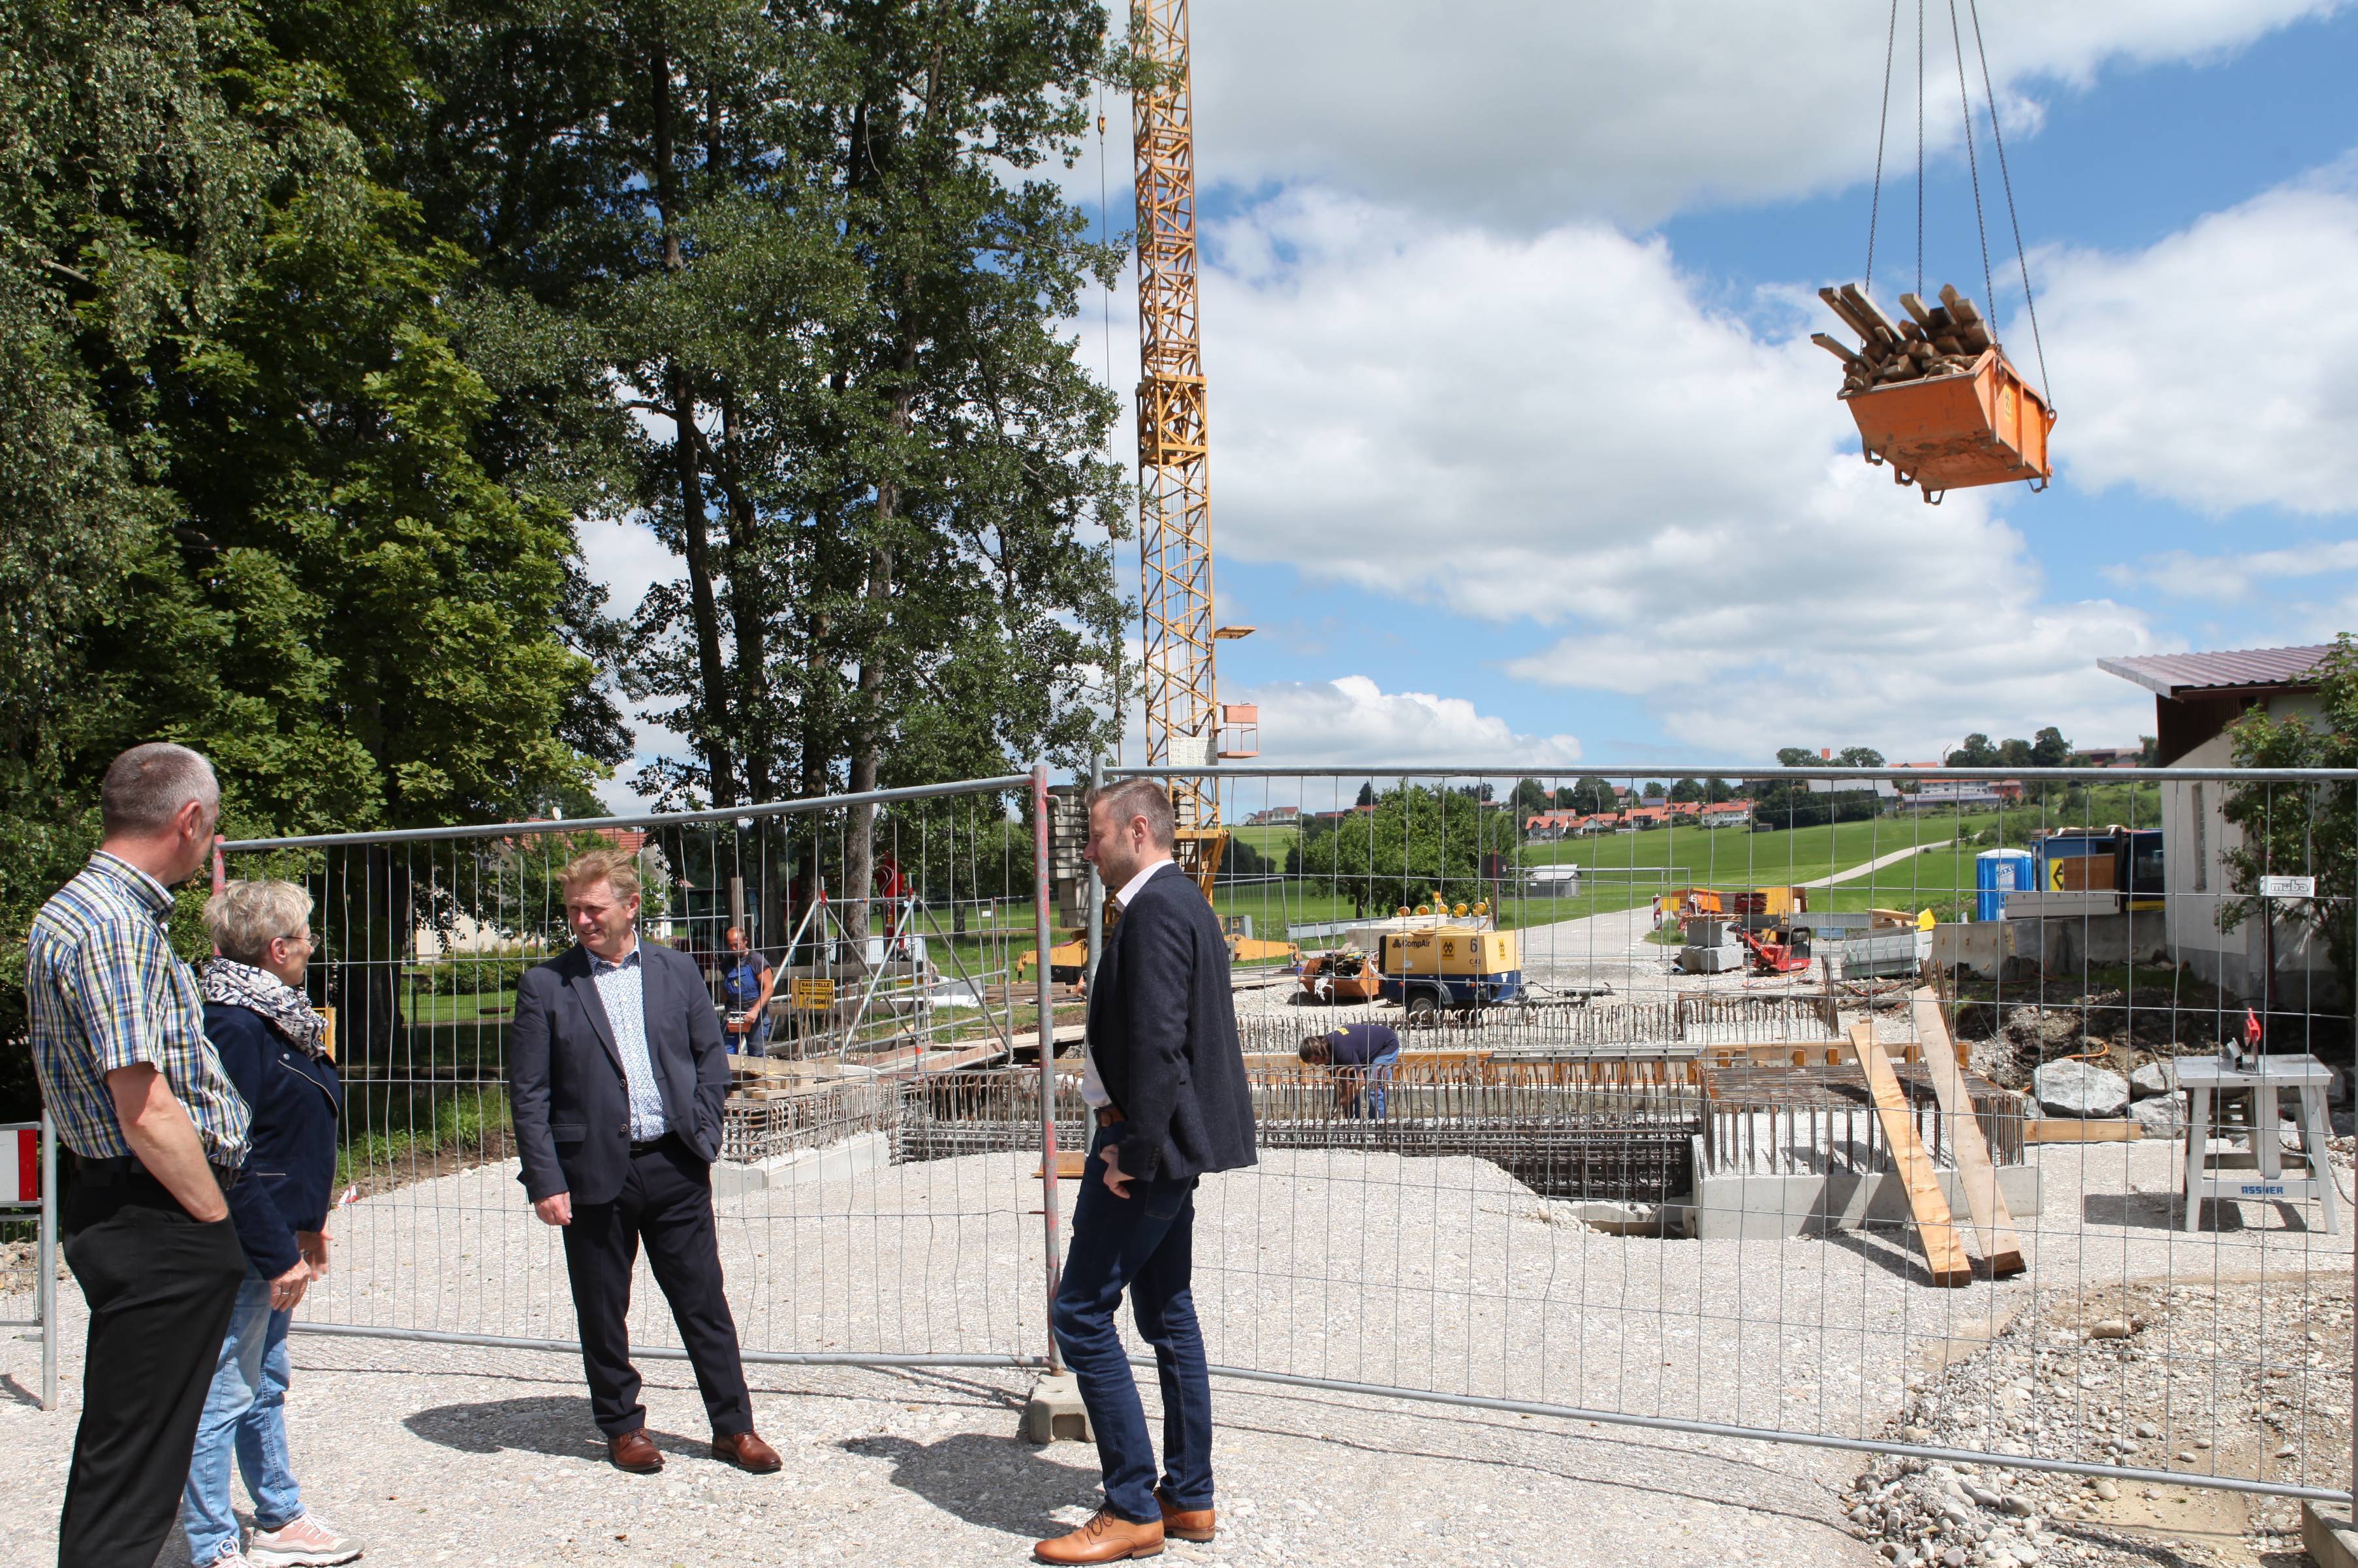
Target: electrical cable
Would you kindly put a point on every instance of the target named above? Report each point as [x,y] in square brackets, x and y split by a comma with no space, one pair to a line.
[1973,162]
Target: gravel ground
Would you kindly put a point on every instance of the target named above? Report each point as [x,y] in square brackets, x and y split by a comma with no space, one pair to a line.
[449,1454]
[2083,1383]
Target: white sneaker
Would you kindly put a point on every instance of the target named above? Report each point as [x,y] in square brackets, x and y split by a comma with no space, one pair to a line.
[231,1557]
[306,1542]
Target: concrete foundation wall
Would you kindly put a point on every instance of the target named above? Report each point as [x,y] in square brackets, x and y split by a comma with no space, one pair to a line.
[1769,1208]
[863,1151]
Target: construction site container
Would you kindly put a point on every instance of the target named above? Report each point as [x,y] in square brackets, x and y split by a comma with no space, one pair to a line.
[1984,426]
[1998,872]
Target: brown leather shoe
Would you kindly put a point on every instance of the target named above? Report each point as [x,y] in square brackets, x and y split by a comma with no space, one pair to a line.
[746,1451]
[1185,1524]
[635,1451]
[1108,1538]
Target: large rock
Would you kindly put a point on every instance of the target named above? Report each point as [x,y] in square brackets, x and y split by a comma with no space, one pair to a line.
[2153,1078]
[2079,1089]
[2042,1029]
[2163,1116]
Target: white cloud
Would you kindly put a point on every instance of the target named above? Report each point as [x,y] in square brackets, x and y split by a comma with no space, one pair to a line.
[2229,578]
[1552,429]
[2220,367]
[1343,722]
[1511,112]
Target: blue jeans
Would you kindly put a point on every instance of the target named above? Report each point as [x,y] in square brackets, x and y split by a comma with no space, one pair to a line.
[1374,1082]
[245,1413]
[1146,1243]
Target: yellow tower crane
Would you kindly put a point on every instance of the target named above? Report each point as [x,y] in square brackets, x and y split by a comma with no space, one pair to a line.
[1185,725]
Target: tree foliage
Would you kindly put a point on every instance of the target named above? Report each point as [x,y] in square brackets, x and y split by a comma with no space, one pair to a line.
[2299,829]
[1417,844]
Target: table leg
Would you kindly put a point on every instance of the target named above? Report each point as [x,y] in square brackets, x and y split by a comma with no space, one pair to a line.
[2198,1138]
[2315,1129]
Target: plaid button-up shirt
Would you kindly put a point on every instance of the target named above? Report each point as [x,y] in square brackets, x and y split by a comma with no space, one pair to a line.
[105,991]
[622,991]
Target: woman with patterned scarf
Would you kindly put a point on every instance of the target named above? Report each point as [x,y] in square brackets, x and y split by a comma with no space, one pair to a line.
[274,1049]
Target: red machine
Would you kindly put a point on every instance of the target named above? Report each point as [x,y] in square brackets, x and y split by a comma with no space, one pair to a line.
[1776,958]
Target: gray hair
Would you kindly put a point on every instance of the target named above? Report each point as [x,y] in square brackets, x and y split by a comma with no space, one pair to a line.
[146,786]
[1140,797]
[245,917]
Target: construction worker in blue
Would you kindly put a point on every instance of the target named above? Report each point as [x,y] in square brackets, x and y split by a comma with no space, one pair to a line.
[1362,1056]
[746,985]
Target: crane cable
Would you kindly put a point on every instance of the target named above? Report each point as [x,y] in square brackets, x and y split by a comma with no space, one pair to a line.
[1973,165]
[2014,220]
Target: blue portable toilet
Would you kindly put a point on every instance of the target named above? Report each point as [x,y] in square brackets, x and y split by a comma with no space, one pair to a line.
[1998,872]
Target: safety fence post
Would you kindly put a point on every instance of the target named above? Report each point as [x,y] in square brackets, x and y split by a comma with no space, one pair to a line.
[45,1257]
[1040,917]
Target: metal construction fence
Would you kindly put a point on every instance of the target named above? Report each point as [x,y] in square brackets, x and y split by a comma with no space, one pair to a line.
[28,1217]
[1869,1121]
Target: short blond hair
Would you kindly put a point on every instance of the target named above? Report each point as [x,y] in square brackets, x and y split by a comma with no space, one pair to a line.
[245,917]
[612,867]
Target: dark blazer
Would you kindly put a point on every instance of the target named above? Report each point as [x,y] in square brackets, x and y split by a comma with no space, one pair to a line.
[1163,1028]
[290,1170]
[566,1094]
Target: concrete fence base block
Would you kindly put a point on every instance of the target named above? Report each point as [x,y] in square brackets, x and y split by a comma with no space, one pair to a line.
[1055,1412]
[2328,1535]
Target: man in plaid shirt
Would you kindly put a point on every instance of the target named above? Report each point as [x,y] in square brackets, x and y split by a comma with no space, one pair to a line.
[157,1132]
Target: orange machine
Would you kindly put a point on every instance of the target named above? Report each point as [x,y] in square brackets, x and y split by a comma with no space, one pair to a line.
[1983,426]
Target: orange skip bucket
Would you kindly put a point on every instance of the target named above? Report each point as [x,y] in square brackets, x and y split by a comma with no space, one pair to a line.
[1983,426]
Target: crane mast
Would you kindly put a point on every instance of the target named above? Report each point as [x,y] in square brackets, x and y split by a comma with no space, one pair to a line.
[1175,515]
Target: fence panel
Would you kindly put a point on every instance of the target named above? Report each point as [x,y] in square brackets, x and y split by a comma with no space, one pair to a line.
[837,1243]
[1646,1177]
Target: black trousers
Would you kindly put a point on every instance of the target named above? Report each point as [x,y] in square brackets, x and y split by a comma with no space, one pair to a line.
[666,1200]
[160,1286]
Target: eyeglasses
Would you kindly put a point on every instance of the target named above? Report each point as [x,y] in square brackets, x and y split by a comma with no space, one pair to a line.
[308,938]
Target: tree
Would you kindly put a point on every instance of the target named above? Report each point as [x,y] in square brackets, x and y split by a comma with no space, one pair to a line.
[1687,789]
[1976,752]
[2049,750]
[2299,829]
[1417,843]
[1716,789]
[1797,757]
[2013,755]
[1531,798]
[1586,795]
[1860,757]
[1367,793]
[2149,751]
[1653,790]
[247,421]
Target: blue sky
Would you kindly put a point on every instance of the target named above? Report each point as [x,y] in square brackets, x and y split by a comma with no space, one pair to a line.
[1519,452]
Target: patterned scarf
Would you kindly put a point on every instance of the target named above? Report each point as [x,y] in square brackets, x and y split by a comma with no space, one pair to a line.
[285,1009]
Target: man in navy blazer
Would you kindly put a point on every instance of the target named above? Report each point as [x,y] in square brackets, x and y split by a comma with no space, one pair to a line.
[1164,1078]
[616,1076]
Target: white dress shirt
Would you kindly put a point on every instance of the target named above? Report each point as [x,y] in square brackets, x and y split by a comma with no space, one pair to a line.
[621,990]
[1093,1090]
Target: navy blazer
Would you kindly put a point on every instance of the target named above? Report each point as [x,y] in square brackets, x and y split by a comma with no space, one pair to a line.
[1162,1029]
[290,1170]
[566,1093]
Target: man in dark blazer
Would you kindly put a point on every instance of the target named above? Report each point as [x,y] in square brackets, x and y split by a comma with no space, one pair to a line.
[1166,1081]
[616,1075]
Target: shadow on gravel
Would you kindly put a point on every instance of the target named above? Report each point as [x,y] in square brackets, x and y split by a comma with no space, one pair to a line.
[999,1483]
[560,1428]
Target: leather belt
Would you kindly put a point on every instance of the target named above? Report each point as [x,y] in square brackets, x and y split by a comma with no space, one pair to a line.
[103,1169]
[647,1145]
[1108,1117]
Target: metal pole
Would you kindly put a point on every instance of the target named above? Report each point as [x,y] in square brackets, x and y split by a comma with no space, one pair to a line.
[1096,884]
[45,1258]
[1044,935]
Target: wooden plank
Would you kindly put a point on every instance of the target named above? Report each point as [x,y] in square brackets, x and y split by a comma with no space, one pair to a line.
[2072,1129]
[1915,306]
[1849,318]
[1960,309]
[1869,311]
[1835,347]
[1070,1163]
[1944,1255]
[1976,1172]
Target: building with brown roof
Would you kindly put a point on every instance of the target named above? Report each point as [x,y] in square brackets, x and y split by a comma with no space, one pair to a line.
[2195,698]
